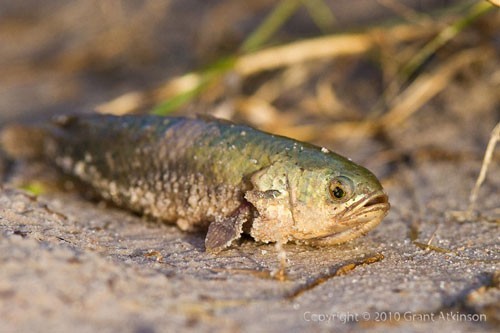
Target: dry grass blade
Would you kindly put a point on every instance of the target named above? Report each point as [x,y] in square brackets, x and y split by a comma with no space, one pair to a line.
[340,271]
[470,213]
[124,104]
[327,47]
[428,86]
[317,48]
[337,130]
[402,107]
[495,136]
[323,47]
[429,247]
[445,36]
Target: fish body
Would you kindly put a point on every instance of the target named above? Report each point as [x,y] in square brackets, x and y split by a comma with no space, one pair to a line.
[204,173]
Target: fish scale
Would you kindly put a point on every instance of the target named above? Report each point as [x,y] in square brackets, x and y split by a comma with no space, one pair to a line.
[209,173]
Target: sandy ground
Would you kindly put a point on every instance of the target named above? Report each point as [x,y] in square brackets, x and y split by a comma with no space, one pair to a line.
[70,264]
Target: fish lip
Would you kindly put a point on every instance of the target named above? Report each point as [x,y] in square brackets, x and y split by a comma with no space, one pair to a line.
[376,202]
[376,198]
[373,201]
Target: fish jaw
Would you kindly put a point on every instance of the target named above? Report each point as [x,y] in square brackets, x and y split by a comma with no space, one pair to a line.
[363,216]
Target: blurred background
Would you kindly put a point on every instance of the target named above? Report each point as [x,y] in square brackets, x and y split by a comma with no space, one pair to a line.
[321,70]
[71,56]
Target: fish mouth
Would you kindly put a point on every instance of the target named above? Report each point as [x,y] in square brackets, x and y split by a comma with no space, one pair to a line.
[358,219]
[377,199]
[372,202]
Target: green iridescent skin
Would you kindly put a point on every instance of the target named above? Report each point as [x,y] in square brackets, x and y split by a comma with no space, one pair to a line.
[200,173]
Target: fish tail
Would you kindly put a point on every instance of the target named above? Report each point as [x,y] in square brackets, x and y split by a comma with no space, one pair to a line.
[23,141]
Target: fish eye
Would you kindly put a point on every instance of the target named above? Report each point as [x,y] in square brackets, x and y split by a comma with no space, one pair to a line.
[340,188]
[338,192]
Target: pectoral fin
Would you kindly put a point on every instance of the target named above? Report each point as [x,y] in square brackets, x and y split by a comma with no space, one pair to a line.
[274,220]
[223,231]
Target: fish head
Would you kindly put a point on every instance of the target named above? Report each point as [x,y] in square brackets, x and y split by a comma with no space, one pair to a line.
[316,204]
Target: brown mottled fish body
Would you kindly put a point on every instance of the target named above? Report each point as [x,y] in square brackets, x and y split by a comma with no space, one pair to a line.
[200,172]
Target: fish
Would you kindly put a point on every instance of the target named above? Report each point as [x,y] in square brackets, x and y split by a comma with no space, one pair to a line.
[203,173]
